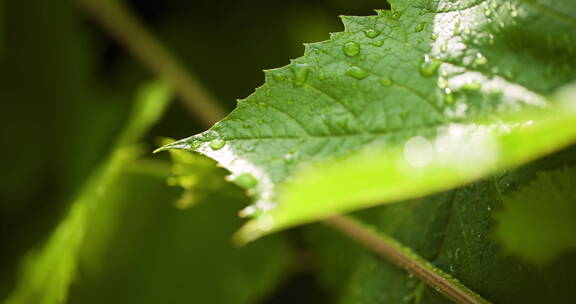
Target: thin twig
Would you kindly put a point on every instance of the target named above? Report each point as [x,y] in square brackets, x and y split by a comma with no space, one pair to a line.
[405,258]
[130,32]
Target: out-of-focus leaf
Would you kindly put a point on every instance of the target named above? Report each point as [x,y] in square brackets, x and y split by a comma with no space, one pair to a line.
[453,230]
[160,254]
[48,271]
[537,222]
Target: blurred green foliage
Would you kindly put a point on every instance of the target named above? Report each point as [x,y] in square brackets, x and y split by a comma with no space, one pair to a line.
[66,88]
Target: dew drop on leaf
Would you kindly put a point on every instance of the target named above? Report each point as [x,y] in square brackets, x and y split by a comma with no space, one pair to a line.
[217,144]
[456,28]
[442,83]
[351,49]
[419,27]
[386,81]
[444,47]
[300,71]
[471,85]
[429,66]
[250,212]
[513,12]
[246,180]
[357,72]
[195,145]
[278,77]
[480,59]
[448,96]
[290,158]
[342,122]
[371,33]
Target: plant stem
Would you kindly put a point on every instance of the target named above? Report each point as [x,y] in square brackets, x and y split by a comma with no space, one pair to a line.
[130,32]
[405,258]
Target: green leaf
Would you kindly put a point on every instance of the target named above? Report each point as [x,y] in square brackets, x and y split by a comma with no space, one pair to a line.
[48,271]
[161,254]
[409,73]
[537,222]
[460,154]
[453,230]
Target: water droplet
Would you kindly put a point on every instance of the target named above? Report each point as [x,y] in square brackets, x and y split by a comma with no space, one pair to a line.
[396,14]
[457,28]
[246,180]
[290,158]
[342,122]
[378,43]
[487,12]
[386,81]
[514,12]
[351,49]
[217,144]
[434,37]
[195,145]
[278,77]
[448,96]
[371,33]
[471,85]
[442,82]
[321,76]
[418,151]
[300,71]
[419,27]
[250,211]
[444,47]
[172,181]
[480,59]
[490,39]
[357,72]
[429,66]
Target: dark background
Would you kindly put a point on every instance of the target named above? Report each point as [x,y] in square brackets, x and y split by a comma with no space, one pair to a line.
[66,88]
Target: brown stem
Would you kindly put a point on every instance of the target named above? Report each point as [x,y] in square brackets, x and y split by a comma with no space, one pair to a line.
[130,32]
[405,258]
